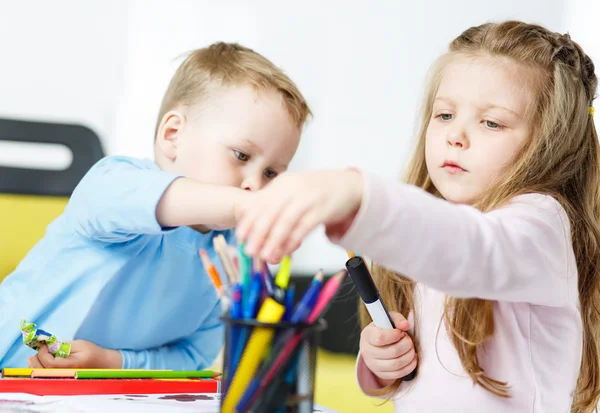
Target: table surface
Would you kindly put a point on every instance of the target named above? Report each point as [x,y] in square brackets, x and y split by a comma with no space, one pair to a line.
[140,403]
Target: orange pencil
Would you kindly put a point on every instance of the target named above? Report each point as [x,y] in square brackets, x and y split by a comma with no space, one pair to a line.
[212,271]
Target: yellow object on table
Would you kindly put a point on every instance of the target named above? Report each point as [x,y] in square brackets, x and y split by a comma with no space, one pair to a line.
[337,389]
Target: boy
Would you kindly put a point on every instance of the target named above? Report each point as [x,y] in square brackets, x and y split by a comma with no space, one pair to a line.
[119,270]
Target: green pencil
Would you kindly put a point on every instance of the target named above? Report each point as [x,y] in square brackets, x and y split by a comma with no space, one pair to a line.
[141,374]
[245,263]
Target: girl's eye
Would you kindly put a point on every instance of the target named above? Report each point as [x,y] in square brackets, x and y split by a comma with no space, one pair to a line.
[492,125]
[270,174]
[242,156]
[446,116]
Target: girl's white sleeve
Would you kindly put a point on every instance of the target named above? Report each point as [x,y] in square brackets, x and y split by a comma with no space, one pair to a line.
[521,252]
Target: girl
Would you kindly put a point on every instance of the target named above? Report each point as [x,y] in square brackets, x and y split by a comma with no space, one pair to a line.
[492,248]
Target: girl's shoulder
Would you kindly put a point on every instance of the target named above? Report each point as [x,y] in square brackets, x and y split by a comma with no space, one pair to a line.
[535,204]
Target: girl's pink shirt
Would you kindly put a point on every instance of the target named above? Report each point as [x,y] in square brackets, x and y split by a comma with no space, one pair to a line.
[520,256]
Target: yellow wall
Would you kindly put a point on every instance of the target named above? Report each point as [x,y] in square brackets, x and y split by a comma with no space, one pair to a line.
[23,222]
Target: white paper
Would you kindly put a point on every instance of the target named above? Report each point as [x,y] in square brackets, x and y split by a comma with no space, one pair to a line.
[147,403]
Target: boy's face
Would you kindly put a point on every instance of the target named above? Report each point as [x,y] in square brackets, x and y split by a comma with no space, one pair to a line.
[236,136]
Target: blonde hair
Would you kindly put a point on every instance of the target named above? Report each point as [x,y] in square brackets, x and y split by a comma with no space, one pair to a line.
[561,159]
[225,64]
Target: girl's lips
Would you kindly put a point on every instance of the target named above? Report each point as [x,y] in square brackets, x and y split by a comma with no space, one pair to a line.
[453,168]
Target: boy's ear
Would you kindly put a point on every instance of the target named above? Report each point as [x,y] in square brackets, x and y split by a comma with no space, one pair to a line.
[169,131]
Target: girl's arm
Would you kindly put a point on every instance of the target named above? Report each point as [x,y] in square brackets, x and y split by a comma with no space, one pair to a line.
[520,253]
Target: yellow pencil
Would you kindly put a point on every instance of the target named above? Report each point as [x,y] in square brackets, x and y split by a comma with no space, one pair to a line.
[282,278]
[350,254]
[40,372]
[270,312]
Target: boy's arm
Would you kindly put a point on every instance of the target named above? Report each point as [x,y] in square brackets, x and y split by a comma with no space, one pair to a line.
[120,198]
[189,202]
[195,352]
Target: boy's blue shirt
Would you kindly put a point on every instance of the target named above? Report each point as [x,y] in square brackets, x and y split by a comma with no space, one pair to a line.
[106,272]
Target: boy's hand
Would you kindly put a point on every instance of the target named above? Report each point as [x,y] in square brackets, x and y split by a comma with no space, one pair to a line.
[389,354]
[281,215]
[83,355]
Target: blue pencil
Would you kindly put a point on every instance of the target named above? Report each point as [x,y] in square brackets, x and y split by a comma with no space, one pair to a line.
[235,314]
[249,311]
[289,303]
[308,300]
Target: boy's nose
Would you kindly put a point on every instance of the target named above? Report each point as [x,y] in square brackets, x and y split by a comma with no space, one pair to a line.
[251,184]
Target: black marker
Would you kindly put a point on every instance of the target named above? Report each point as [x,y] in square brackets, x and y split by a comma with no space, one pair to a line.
[358,271]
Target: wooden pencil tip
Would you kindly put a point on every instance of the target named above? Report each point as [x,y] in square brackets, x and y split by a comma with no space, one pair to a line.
[258,265]
[341,274]
[320,275]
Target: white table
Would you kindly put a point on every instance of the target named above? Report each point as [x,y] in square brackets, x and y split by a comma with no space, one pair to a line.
[149,403]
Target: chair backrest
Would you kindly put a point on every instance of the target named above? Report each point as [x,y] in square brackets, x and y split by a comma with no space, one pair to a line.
[30,197]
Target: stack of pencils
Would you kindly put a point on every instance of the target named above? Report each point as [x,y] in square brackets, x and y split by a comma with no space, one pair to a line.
[70,382]
[268,336]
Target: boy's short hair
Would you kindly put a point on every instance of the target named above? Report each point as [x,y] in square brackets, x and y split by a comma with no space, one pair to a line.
[223,64]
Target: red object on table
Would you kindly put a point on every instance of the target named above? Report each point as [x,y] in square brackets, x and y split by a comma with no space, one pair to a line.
[72,387]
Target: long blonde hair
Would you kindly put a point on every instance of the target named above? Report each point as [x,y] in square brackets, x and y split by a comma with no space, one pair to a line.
[561,159]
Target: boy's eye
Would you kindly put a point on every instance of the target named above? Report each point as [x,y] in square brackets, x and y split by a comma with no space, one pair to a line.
[241,156]
[445,116]
[270,174]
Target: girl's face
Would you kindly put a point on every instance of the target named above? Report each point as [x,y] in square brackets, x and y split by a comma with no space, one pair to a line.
[477,126]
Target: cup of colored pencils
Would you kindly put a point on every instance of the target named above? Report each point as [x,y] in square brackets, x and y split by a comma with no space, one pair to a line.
[271,336]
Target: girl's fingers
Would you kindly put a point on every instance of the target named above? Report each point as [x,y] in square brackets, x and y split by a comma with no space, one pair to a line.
[304,227]
[250,213]
[392,351]
[379,337]
[286,222]
[396,374]
[391,366]
[260,226]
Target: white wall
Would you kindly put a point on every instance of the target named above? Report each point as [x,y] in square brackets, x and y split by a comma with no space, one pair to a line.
[583,24]
[360,64]
[63,61]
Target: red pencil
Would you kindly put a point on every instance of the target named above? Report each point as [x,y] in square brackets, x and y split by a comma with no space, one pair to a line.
[71,387]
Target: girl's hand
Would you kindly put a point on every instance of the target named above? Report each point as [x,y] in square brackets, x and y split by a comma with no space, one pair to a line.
[281,215]
[389,354]
[83,355]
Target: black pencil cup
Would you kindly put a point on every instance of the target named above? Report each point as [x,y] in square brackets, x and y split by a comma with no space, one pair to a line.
[269,367]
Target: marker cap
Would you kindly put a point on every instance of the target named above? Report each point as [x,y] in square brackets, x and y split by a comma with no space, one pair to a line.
[358,271]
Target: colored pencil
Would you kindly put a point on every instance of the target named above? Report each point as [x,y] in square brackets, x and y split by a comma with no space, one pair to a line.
[140,374]
[41,372]
[212,272]
[220,245]
[72,387]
